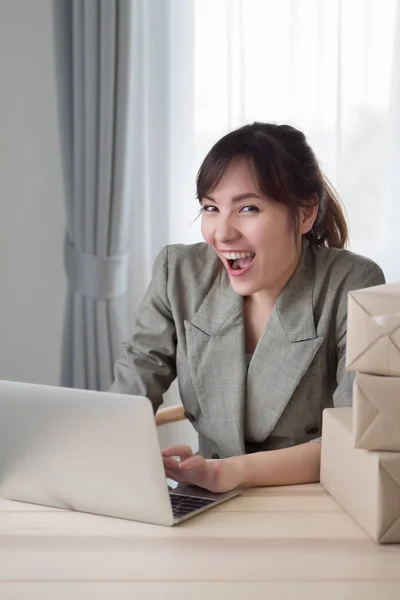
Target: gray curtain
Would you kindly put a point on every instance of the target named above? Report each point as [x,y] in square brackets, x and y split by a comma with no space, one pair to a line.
[93,57]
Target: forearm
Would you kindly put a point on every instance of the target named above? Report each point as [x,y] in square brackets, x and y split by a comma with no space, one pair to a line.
[289,466]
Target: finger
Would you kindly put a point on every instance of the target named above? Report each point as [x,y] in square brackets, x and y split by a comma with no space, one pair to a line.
[178,477]
[182,451]
[194,462]
[170,474]
[171,463]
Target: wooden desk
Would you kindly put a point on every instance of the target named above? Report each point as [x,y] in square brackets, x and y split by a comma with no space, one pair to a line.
[287,543]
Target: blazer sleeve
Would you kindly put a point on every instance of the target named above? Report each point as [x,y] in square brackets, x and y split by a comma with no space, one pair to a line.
[363,276]
[148,366]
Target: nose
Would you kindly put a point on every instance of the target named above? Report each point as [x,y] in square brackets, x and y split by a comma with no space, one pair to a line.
[225,232]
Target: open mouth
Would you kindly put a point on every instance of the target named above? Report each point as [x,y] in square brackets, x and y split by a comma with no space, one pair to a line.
[239,262]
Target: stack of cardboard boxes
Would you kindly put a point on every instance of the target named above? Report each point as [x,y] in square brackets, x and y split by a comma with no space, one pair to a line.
[360,460]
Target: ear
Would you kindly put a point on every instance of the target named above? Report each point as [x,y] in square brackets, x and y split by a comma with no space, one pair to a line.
[307,216]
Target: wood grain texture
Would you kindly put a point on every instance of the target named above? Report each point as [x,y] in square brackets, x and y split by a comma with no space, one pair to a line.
[283,543]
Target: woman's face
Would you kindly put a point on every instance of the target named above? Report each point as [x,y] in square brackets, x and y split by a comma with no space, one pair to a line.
[252,234]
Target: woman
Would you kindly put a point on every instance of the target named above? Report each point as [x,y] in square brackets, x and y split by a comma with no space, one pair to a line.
[252,322]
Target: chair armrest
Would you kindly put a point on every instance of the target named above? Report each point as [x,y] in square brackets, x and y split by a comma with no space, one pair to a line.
[170,414]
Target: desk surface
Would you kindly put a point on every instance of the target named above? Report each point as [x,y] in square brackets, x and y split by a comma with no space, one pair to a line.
[288,543]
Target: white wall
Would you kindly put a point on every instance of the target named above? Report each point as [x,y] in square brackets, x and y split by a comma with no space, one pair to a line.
[32,281]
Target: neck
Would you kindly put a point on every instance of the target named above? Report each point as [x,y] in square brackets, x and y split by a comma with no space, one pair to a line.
[267,297]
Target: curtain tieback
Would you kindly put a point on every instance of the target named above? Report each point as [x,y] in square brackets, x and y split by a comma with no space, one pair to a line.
[96,277]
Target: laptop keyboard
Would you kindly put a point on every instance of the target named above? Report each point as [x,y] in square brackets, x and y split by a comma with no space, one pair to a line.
[183,505]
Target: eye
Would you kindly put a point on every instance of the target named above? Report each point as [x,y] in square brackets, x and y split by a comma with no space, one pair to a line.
[249,208]
[210,208]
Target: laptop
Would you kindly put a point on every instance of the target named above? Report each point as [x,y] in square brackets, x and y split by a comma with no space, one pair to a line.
[95,452]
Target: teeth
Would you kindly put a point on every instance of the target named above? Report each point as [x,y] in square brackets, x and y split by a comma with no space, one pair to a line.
[235,255]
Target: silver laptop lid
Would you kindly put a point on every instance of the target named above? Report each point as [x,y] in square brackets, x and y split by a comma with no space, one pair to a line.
[89,451]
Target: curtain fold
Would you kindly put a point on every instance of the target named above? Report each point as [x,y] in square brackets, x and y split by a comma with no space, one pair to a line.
[94,54]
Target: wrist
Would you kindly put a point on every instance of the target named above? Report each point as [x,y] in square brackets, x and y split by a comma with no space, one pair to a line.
[237,466]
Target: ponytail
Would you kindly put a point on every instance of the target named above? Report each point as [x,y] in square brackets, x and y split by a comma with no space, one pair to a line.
[330,227]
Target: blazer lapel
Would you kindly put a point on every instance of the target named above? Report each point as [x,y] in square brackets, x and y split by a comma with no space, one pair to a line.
[287,347]
[216,354]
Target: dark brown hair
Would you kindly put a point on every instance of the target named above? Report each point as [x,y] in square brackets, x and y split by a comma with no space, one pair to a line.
[286,170]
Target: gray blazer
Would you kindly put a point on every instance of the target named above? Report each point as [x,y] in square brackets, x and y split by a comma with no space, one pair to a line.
[190,324]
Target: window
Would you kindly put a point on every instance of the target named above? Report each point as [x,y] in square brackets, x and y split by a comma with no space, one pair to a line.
[324,66]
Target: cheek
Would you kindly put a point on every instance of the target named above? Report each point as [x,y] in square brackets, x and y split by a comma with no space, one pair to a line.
[207,231]
[286,245]
[287,232]
[276,237]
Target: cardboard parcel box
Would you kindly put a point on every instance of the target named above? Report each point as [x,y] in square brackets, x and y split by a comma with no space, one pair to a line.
[376,412]
[373,330]
[366,484]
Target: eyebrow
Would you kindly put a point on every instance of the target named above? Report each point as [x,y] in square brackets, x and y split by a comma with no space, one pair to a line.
[238,197]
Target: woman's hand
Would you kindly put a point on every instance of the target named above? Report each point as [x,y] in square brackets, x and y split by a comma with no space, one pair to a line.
[214,475]
[288,466]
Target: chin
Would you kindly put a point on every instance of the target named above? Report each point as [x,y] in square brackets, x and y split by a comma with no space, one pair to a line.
[243,288]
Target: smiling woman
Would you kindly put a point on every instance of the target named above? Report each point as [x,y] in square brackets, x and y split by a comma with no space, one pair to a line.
[259,351]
